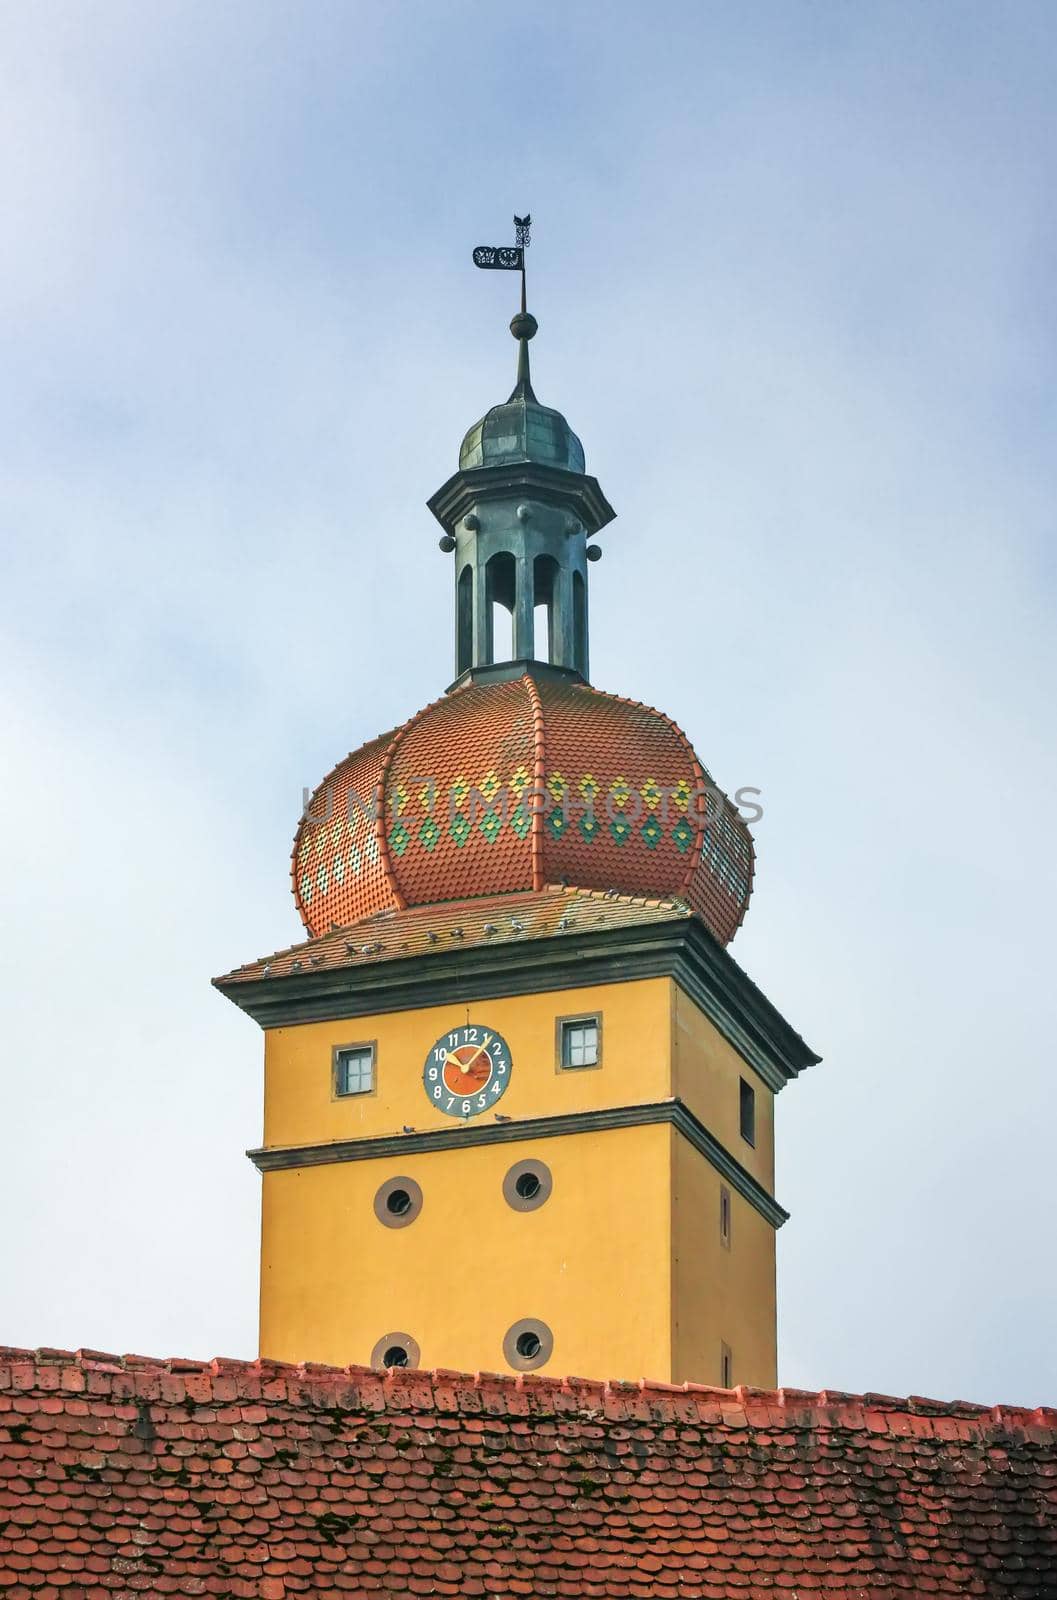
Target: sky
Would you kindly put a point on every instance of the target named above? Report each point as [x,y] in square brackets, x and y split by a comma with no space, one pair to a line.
[795,268]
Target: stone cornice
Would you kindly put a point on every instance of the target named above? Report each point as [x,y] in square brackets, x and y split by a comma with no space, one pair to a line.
[673,1112]
[681,949]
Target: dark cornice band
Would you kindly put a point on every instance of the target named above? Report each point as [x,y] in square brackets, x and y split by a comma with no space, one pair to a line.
[556,485]
[681,949]
[674,1112]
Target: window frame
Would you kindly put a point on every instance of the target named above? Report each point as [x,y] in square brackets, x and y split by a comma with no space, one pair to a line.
[747,1097]
[573,1018]
[338,1050]
[726,1216]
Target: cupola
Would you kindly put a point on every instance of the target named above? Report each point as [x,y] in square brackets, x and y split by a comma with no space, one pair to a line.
[517,516]
[521,776]
[521,429]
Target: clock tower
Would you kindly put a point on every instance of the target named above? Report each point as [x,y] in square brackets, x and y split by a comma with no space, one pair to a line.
[518,1097]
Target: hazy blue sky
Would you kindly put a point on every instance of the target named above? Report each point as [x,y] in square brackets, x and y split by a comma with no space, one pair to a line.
[795,269]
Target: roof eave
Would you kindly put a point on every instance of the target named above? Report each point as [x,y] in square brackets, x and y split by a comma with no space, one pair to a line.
[681,948]
[555,485]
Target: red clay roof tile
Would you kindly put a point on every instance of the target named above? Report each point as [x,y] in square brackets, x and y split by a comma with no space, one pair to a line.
[264,1479]
[506,786]
[480,920]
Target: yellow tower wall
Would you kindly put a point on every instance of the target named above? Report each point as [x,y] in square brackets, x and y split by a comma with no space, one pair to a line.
[593,1263]
[300,1106]
[720,1295]
[705,1070]
[624,1261]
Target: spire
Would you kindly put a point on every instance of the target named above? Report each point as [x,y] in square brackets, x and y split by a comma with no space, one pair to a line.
[524,327]
[517,516]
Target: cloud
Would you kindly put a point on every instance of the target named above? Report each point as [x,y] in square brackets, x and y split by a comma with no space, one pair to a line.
[793,269]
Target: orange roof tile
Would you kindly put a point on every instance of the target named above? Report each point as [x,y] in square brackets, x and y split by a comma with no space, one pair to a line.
[479,921]
[122,1475]
[507,785]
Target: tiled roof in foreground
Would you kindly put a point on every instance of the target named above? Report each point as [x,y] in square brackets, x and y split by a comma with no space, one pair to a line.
[122,1475]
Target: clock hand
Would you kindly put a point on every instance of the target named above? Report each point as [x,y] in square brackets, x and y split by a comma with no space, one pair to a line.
[464,1066]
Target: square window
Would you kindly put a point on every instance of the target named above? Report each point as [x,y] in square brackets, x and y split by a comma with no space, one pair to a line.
[354,1069]
[580,1042]
[748,1112]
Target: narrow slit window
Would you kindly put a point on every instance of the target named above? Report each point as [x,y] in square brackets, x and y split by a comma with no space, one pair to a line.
[354,1069]
[726,1367]
[748,1112]
[580,1042]
[724,1215]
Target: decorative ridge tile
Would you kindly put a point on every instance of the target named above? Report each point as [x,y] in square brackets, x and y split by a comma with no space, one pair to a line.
[824,1404]
[539,775]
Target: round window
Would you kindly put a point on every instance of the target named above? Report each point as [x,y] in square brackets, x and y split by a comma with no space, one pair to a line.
[527,1185]
[398,1202]
[528,1345]
[395,1350]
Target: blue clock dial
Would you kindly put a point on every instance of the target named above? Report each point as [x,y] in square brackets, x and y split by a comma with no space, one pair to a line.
[467,1070]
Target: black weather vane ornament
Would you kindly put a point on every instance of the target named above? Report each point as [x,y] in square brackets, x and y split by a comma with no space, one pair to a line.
[507,257]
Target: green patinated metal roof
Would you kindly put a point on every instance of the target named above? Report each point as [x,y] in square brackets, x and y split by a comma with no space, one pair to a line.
[522,430]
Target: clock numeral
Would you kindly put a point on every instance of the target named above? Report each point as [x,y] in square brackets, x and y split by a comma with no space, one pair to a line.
[469,1061]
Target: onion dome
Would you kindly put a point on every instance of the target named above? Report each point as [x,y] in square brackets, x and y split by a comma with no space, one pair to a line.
[521,429]
[515,784]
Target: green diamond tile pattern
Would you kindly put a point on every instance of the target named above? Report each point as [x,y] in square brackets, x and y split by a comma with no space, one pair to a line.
[338,826]
[652,832]
[520,821]
[458,761]
[621,804]
[491,825]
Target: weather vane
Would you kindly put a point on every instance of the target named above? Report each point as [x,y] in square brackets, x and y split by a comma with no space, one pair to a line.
[507,257]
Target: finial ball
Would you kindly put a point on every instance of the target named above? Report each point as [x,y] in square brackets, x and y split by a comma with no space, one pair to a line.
[524,325]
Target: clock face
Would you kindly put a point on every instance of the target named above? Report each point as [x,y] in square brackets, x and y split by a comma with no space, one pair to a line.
[467,1071]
